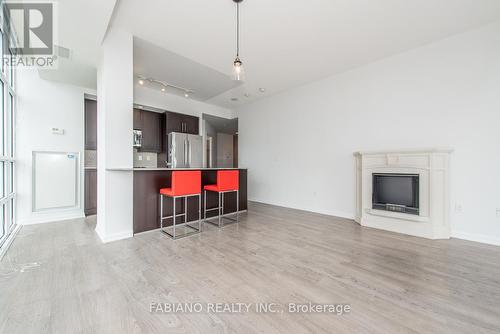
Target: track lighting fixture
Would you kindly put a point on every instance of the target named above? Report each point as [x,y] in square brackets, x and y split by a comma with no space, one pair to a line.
[164,85]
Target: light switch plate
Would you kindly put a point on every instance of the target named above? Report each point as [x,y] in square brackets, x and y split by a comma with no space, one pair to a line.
[57,131]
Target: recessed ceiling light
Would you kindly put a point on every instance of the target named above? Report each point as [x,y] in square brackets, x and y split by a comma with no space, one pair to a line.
[141,82]
[163,89]
[186,94]
[262,90]
[234,99]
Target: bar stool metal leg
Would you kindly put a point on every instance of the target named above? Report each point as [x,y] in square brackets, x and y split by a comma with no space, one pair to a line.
[199,212]
[237,206]
[219,211]
[222,209]
[173,198]
[204,205]
[161,212]
[185,210]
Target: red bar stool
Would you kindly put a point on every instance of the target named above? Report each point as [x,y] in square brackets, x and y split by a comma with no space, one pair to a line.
[227,181]
[184,184]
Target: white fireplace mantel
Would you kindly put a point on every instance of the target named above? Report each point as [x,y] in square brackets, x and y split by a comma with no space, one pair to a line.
[432,166]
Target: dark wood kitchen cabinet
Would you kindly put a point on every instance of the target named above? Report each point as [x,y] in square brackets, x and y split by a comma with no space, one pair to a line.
[90,124]
[191,124]
[90,192]
[151,125]
[137,119]
[176,122]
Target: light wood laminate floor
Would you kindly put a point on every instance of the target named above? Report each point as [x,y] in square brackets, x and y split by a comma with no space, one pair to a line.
[59,278]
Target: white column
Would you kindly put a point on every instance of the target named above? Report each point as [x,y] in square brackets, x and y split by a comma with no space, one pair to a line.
[115,94]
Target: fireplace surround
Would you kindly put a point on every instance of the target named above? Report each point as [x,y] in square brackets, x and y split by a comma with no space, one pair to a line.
[404,191]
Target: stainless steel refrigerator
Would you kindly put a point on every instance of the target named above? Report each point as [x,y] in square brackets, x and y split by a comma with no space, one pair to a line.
[185,150]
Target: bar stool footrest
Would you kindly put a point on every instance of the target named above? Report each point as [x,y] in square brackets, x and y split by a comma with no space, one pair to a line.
[187,234]
[232,220]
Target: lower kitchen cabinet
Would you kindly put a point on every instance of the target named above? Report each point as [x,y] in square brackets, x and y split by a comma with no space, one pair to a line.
[90,192]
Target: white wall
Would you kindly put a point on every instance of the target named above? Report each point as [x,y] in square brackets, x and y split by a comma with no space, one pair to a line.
[42,105]
[298,145]
[115,91]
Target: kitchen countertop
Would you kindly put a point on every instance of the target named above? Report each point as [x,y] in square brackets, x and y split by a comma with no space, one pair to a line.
[163,169]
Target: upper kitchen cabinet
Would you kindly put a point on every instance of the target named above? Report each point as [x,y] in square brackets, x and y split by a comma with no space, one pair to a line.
[191,124]
[137,119]
[174,122]
[151,124]
[90,125]
[181,123]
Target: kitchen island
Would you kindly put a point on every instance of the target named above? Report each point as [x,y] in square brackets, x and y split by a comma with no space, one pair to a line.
[149,181]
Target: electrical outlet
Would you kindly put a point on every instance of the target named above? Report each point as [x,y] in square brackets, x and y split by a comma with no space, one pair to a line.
[139,157]
[458,208]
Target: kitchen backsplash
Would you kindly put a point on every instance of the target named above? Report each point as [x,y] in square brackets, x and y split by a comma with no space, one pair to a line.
[145,159]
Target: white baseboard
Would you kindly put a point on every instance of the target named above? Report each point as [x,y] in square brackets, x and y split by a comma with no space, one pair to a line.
[333,213]
[43,219]
[114,237]
[485,239]
[8,242]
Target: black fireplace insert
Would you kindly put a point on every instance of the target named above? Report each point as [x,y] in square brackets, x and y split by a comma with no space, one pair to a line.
[396,192]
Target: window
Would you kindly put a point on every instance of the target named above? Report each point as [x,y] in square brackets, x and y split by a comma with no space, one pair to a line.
[7,139]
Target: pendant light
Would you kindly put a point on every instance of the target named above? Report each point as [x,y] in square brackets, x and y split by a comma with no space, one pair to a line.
[238,71]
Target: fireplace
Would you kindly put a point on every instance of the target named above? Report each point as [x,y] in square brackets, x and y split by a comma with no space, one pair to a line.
[404,191]
[396,192]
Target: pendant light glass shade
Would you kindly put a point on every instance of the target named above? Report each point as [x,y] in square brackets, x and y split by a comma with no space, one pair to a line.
[238,70]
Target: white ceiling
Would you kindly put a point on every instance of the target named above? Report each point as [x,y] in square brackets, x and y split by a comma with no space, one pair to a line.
[284,43]
[151,61]
[289,43]
[80,27]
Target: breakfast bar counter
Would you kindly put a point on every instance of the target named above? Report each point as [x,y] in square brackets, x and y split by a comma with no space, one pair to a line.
[149,181]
